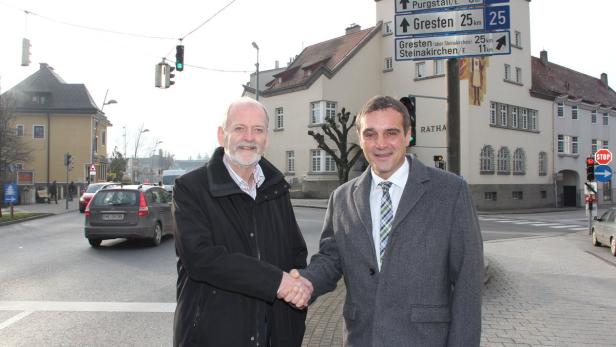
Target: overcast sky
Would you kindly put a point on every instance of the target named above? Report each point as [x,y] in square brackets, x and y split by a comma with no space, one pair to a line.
[185,116]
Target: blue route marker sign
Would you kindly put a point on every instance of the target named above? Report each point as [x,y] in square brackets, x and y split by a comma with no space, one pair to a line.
[603,173]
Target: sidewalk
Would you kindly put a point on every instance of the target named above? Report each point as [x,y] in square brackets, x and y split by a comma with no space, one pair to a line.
[546,291]
[51,208]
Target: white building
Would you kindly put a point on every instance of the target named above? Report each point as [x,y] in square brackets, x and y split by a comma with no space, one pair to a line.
[508,123]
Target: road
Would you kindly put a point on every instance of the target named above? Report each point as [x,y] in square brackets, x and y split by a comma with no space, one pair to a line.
[57,290]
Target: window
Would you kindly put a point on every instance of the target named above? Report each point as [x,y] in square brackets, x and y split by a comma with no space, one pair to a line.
[561,110]
[518,74]
[388,64]
[507,72]
[567,144]
[593,146]
[321,161]
[514,117]
[605,118]
[524,120]
[533,120]
[544,194]
[439,67]
[492,113]
[279,111]
[486,160]
[574,145]
[561,143]
[387,29]
[593,116]
[519,162]
[491,196]
[574,112]
[290,161]
[543,164]
[18,166]
[19,130]
[517,39]
[321,109]
[39,99]
[420,70]
[38,131]
[607,191]
[503,119]
[517,195]
[503,162]
[104,137]
[605,144]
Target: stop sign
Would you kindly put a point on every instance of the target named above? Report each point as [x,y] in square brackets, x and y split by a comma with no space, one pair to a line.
[603,156]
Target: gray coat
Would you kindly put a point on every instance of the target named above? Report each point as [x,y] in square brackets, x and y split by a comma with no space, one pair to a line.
[428,292]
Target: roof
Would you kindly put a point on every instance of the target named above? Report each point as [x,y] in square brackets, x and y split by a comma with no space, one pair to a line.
[552,80]
[326,58]
[59,95]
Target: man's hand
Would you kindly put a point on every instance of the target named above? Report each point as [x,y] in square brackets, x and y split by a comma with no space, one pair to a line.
[295,290]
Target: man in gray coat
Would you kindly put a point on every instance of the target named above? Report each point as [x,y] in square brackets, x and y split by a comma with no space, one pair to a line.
[407,240]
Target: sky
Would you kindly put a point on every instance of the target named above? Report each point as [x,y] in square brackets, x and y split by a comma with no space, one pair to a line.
[185,117]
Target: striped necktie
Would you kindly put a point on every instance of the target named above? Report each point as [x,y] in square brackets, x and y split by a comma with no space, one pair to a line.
[387,215]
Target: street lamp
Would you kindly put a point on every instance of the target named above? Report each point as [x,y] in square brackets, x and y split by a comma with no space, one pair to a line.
[254,44]
[136,149]
[105,102]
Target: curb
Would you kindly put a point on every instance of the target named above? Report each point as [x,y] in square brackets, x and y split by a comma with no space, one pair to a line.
[36,216]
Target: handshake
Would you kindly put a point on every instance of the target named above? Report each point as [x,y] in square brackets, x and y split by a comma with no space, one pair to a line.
[295,289]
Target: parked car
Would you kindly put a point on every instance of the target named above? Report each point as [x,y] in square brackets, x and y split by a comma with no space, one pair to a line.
[90,191]
[131,211]
[604,230]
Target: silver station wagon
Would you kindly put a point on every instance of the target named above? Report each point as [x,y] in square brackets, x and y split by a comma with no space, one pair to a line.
[604,230]
[131,212]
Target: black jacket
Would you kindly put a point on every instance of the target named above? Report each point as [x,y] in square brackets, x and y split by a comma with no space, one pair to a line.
[232,250]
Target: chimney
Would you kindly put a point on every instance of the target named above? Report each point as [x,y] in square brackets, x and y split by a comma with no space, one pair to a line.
[353,28]
[604,79]
[544,57]
[277,64]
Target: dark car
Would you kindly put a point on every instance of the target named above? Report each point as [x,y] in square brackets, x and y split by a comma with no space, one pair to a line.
[90,191]
[132,212]
[604,230]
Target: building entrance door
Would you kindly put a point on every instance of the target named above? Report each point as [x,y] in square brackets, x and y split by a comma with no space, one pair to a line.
[569,196]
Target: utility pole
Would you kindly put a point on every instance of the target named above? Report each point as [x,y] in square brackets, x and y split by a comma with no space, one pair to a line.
[453,116]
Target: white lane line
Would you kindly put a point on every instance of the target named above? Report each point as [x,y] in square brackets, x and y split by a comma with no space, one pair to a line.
[488,219]
[579,229]
[14,319]
[85,306]
[504,221]
[525,222]
[544,224]
[564,226]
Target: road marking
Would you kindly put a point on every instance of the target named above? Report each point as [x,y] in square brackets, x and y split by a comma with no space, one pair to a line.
[564,226]
[526,222]
[488,219]
[85,306]
[579,229]
[544,224]
[14,319]
[504,221]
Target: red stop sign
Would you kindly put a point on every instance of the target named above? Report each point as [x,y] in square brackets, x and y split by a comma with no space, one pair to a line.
[603,156]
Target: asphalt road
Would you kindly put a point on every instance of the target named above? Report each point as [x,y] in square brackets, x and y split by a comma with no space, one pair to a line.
[57,290]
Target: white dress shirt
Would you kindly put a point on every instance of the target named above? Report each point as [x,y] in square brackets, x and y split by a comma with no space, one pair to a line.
[257,175]
[398,180]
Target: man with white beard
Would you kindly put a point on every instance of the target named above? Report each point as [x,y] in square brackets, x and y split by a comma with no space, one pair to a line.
[236,240]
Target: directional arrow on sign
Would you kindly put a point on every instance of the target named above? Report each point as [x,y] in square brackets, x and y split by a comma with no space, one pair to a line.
[405,24]
[501,42]
[404,4]
[603,173]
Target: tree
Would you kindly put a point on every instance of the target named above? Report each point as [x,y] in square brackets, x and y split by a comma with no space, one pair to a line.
[337,130]
[12,148]
[117,165]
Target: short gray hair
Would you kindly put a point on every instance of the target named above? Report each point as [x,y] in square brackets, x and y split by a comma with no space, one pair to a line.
[241,102]
[380,102]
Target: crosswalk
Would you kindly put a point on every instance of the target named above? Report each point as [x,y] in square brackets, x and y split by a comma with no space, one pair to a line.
[565,225]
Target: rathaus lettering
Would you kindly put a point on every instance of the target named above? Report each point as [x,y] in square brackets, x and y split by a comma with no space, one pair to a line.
[433,128]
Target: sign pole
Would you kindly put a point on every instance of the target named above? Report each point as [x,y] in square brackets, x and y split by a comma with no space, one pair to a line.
[453,116]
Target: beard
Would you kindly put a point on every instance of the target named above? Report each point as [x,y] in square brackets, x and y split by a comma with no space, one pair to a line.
[242,160]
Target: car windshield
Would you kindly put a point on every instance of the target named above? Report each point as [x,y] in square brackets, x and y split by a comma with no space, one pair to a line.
[169,180]
[115,198]
[93,188]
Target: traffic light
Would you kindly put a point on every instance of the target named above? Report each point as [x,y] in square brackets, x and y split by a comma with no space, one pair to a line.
[158,75]
[179,57]
[409,103]
[169,76]
[68,159]
[25,52]
[590,168]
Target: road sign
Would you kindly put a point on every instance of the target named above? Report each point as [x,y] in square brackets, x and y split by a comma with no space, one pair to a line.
[453,21]
[603,156]
[11,193]
[426,5]
[603,173]
[92,170]
[590,188]
[439,47]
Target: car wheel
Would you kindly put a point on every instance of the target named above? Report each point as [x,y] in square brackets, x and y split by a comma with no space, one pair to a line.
[158,235]
[95,242]
[613,246]
[594,239]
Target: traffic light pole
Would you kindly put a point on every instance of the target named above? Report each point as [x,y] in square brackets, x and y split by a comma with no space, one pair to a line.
[453,116]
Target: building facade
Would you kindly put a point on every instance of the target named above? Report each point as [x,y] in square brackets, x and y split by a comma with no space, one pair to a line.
[508,128]
[53,118]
